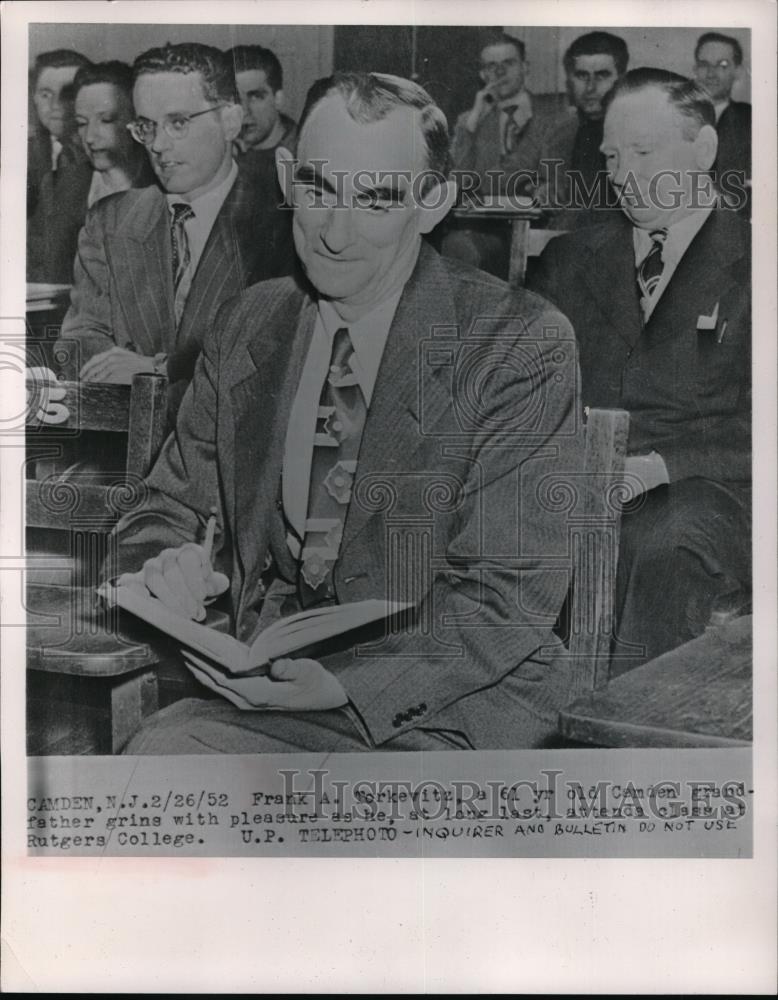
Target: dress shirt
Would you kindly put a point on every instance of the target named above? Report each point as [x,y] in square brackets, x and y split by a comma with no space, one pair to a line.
[368,336]
[679,236]
[56,149]
[720,107]
[522,102]
[198,229]
[105,182]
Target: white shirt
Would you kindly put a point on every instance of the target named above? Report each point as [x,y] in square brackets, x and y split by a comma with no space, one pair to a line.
[523,103]
[720,108]
[198,229]
[368,335]
[105,182]
[56,149]
[679,236]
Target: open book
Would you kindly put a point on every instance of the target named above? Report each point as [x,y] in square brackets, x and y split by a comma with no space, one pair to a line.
[285,636]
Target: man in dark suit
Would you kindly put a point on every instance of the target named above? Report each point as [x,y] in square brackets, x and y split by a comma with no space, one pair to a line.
[154,266]
[660,303]
[718,65]
[325,421]
[574,185]
[52,143]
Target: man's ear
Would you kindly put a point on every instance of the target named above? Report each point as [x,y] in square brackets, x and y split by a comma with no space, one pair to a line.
[285,171]
[278,99]
[232,120]
[706,146]
[435,205]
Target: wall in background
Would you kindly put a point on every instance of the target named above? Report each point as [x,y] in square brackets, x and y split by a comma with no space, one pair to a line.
[305,51]
[664,48]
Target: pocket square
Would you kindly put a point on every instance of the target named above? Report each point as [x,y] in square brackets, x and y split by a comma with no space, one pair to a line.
[709,322]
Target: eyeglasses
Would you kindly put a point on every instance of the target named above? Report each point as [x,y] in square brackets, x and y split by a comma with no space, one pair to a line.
[494,67]
[703,67]
[175,126]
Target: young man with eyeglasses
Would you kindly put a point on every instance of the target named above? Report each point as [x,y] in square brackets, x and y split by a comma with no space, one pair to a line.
[718,65]
[155,264]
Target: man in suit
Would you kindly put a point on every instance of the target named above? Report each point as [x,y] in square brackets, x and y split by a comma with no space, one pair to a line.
[718,65]
[52,143]
[660,303]
[574,186]
[102,95]
[155,264]
[326,420]
[499,140]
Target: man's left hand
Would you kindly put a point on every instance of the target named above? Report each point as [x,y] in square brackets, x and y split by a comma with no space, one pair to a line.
[645,472]
[291,685]
[117,365]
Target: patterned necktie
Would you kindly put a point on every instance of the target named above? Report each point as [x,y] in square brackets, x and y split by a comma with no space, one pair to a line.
[339,425]
[652,266]
[182,256]
[512,130]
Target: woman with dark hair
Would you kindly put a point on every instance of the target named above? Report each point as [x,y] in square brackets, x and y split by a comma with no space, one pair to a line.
[102,107]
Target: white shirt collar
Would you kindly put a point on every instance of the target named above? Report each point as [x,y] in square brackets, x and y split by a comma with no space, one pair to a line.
[721,107]
[368,335]
[207,205]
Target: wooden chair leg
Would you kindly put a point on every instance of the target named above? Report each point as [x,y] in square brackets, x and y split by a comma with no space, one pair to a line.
[133,698]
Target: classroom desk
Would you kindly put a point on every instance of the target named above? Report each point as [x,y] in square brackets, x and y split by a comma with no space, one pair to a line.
[698,695]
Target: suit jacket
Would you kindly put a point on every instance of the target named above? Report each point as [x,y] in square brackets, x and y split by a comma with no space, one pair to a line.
[474,406]
[482,150]
[52,231]
[734,131]
[687,388]
[123,291]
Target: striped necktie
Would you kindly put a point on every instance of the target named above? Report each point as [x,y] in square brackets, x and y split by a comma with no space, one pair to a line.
[339,425]
[652,265]
[182,256]
[512,131]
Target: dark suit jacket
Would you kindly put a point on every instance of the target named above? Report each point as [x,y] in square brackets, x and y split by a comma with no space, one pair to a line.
[123,292]
[462,429]
[687,393]
[734,130]
[482,150]
[52,231]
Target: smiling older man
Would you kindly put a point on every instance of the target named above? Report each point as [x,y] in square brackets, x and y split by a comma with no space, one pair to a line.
[155,264]
[400,400]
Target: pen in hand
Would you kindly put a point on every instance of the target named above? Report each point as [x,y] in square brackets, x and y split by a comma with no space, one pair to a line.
[210,530]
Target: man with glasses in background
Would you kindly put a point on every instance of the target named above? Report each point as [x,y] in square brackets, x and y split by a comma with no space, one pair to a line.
[718,65]
[155,264]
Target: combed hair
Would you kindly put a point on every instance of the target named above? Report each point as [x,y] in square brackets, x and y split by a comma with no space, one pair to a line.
[191,57]
[114,72]
[56,59]
[247,57]
[687,97]
[371,97]
[715,36]
[598,43]
[496,36]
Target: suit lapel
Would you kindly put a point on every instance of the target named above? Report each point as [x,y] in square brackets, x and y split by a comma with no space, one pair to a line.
[144,277]
[392,430]
[262,403]
[702,277]
[611,277]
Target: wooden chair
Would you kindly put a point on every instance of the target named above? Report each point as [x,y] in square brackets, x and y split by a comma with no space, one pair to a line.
[74,647]
[525,243]
[697,695]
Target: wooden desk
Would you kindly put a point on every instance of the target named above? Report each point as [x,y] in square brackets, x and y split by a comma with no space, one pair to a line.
[698,695]
[519,217]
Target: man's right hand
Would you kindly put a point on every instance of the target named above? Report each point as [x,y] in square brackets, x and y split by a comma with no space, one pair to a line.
[482,105]
[183,579]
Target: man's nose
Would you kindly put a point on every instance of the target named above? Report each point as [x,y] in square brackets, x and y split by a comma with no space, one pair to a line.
[338,233]
[161,142]
[591,85]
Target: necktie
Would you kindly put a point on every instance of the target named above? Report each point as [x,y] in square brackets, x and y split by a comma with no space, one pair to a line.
[512,130]
[181,254]
[339,425]
[652,266]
